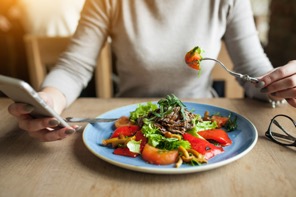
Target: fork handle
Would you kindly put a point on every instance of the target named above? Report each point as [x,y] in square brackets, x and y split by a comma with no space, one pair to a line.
[250,79]
[89,120]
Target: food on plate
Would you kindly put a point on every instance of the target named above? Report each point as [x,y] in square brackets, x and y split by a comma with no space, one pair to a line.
[167,132]
[123,121]
[193,58]
[159,156]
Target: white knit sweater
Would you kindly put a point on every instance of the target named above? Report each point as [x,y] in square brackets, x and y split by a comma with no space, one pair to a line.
[150,39]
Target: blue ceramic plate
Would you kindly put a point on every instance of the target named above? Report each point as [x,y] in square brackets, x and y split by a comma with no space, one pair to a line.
[243,140]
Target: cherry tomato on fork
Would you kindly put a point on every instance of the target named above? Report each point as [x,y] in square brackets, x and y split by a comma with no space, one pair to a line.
[193,58]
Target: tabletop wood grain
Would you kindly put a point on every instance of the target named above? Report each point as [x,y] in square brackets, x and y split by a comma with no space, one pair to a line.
[67,168]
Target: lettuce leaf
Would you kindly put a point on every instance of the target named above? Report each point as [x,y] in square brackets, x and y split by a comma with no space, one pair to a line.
[134,146]
[201,126]
[142,110]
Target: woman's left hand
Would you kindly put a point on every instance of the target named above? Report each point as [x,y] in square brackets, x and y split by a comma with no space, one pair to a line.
[280,83]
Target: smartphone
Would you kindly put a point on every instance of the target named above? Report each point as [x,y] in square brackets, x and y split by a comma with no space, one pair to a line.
[21,92]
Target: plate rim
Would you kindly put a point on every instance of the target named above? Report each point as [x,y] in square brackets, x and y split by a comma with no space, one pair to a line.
[172,170]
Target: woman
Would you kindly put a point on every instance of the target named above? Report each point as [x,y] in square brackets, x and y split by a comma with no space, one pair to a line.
[149,40]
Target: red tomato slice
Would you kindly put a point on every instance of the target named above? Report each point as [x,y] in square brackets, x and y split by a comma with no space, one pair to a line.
[221,120]
[202,146]
[159,157]
[125,131]
[218,135]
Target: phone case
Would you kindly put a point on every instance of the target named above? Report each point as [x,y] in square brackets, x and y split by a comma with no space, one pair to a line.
[21,92]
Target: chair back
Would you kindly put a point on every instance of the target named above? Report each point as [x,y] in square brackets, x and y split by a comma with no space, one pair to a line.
[43,53]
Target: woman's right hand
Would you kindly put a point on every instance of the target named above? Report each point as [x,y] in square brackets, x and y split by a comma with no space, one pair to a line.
[43,129]
[280,83]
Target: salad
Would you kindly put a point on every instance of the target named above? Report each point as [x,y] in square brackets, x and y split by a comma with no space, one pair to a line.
[167,132]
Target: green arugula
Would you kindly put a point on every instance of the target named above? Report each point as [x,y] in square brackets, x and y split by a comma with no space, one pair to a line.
[231,123]
[166,106]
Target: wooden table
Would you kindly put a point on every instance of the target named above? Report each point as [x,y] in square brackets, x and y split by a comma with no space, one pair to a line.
[68,168]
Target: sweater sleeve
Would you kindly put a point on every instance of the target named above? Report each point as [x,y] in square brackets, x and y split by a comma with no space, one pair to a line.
[76,65]
[244,46]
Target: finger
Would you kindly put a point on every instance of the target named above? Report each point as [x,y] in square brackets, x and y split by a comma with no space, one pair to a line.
[32,125]
[291,101]
[279,73]
[47,135]
[284,85]
[18,109]
[262,80]
[287,93]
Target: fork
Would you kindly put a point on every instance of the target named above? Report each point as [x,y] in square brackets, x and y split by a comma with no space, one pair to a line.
[244,77]
[89,120]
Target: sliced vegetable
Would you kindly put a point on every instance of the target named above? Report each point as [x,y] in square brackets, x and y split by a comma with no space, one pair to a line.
[125,131]
[220,120]
[140,137]
[124,151]
[123,121]
[218,135]
[157,156]
[202,146]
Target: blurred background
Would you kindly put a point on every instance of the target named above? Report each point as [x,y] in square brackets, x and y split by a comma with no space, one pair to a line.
[275,21]
[41,17]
